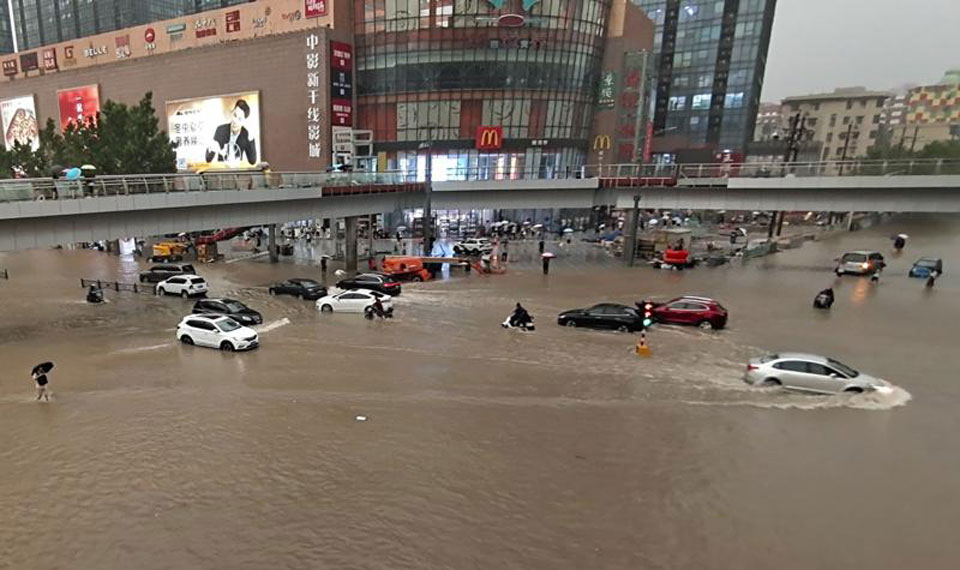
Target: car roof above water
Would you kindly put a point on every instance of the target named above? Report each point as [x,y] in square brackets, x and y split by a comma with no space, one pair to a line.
[802,356]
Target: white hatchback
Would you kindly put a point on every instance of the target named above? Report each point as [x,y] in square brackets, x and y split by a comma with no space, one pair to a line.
[217,331]
[183,285]
[351,301]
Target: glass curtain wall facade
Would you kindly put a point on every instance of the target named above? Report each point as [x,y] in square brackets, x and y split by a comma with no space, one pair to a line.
[42,22]
[710,57]
[434,71]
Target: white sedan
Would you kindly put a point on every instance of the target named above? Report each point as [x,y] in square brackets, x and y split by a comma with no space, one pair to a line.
[351,301]
[183,285]
[217,331]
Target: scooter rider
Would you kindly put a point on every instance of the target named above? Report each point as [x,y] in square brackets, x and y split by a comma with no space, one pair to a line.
[824,299]
[94,294]
[520,317]
[378,307]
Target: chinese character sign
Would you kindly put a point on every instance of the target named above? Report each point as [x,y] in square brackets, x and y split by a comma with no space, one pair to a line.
[606,96]
[315,8]
[314,112]
[341,84]
[216,132]
[78,105]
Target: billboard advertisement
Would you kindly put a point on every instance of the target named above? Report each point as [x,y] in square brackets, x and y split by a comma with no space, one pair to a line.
[19,118]
[216,132]
[78,105]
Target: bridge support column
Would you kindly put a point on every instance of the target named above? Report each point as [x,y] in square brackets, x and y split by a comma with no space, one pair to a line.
[272,244]
[780,223]
[773,224]
[350,249]
[630,239]
[850,221]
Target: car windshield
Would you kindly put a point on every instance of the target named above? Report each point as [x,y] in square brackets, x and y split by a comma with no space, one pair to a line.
[227,325]
[854,258]
[235,306]
[843,368]
[927,262]
[307,284]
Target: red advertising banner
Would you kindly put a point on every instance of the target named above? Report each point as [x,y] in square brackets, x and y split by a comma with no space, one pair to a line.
[315,8]
[341,111]
[648,143]
[233,21]
[341,56]
[78,105]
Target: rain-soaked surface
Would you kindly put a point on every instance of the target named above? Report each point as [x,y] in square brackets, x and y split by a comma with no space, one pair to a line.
[484,448]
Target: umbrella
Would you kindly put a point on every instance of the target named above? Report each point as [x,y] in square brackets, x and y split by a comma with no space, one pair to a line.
[547,255]
[88,167]
[537,226]
[72,173]
[42,368]
[904,236]
[568,231]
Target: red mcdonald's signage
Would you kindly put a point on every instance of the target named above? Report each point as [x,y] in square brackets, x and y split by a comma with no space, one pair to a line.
[489,138]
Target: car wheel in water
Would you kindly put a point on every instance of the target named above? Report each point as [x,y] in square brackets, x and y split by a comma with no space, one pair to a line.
[272,291]
[184,294]
[623,328]
[143,279]
[416,279]
[186,340]
[705,325]
[771,383]
[326,309]
[161,291]
[226,346]
[571,323]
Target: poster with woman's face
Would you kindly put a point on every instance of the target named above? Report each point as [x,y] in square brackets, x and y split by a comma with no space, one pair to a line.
[216,132]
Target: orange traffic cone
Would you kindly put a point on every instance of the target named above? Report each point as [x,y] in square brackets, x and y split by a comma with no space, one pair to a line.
[642,348]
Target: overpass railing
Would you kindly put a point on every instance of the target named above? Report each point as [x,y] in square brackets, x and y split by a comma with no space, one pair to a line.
[823,168]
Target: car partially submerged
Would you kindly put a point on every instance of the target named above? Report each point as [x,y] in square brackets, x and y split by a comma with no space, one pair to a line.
[924,266]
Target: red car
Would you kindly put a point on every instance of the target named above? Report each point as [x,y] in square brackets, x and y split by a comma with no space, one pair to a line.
[703,312]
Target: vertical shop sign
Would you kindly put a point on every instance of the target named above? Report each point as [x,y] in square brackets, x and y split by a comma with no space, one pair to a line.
[314,115]
[341,84]
[315,8]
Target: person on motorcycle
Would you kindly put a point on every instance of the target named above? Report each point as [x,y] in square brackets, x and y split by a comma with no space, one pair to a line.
[378,307]
[520,317]
[94,295]
[824,299]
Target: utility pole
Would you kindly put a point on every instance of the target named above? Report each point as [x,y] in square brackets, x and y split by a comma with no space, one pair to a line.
[630,244]
[916,131]
[846,145]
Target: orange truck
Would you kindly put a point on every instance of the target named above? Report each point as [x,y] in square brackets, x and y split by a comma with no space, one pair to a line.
[406,268]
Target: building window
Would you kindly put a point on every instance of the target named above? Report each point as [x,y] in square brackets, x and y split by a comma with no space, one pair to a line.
[816,106]
[876,119]
[826,153]
[859,119]
[829,137]
[701,101]
[849,105]
[833,120]
[863,104]
[873,134]
[846,120]
[733,100]
[678,103]
[839,151]
[811,121]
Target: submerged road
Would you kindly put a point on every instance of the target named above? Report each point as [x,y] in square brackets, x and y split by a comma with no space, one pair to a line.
[483,448]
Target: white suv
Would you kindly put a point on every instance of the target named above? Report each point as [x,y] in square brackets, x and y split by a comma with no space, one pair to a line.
[473,246]
[216,332]
[183,285]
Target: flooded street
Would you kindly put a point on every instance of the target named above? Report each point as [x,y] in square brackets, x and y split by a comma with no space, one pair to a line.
[483,448]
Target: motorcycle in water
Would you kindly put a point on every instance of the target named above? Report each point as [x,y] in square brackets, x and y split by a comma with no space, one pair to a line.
[512,323]
[824,299]
[94,295]
[370,313]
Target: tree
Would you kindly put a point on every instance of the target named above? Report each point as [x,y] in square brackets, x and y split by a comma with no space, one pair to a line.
[120,140]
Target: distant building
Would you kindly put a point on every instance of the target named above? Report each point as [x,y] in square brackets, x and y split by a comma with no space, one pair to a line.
[925,114]
[831,117]
[710,62]
[769,122]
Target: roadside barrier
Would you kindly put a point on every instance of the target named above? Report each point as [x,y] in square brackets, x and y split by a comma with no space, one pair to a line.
[116,286]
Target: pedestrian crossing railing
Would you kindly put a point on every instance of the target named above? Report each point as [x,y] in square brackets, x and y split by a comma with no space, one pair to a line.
[117,286]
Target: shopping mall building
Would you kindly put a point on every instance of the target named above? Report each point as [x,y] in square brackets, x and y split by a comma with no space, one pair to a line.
[490,88]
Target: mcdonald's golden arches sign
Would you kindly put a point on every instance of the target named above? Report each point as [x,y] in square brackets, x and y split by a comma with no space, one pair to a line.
[489,138]
[601,142]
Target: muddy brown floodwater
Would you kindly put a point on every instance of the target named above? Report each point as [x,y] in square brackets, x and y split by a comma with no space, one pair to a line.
[483,448]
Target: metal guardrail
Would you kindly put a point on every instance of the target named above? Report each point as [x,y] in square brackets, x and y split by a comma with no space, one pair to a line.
[340,183]
[116,286]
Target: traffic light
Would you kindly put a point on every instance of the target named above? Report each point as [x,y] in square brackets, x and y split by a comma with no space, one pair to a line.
[647,314]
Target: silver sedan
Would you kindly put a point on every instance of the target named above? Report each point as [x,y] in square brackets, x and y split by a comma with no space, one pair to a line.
[810,373]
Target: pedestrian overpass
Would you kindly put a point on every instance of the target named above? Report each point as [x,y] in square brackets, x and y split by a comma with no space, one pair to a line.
[44,212]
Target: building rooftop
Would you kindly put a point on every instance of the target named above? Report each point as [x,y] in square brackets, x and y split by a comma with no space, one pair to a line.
[840,94]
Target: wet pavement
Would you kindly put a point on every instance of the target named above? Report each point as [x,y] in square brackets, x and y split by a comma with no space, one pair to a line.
[484,448]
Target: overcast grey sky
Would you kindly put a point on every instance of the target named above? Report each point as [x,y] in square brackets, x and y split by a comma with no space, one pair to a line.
[821,44]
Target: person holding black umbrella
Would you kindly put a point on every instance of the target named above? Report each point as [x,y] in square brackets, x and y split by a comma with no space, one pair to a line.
[39,374]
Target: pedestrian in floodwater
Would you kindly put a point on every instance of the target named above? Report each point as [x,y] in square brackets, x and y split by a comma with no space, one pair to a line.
[932,278]
[875,277]
[41,379]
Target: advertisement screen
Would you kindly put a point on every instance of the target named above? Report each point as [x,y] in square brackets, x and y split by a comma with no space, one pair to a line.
[19,118]
[216,132]
[78,104]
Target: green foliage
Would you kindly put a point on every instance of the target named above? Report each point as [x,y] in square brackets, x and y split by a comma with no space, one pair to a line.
[122,140]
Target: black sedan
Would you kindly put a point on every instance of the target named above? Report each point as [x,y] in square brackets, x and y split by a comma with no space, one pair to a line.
[228,308]
[603,316]
[373,282]
[303,288]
